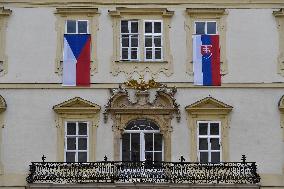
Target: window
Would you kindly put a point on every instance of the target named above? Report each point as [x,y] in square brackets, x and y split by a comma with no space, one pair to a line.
[205,27]
[76,141]
[4,14]
[77,27]
[142,141]
[141,41]
[206,21]
[209,141]
[76,121]
[76,21]
[209,128]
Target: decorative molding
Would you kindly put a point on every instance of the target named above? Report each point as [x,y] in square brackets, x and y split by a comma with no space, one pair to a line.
[142,85]
[3,107]
[217,14]
[76,109]
[4,14]
[209,109]
[160,111]
[279,16]
[76,13]
[141,67]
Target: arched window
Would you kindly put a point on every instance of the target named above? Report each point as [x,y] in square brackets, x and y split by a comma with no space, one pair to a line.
[142,141]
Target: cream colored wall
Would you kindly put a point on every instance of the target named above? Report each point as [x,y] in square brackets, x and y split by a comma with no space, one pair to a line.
[30,130]
[252,47]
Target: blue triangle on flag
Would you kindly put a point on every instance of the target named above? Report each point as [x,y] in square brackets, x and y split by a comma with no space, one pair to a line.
[76,42]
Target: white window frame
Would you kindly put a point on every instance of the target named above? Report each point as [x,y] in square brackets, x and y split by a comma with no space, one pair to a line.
[142,143]
[208,137]
[88,32]
[205,29]
[76,136]
[153,36]
[129,41]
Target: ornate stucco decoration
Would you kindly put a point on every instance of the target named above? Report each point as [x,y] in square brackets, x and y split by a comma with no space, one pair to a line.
[160,111]
[76,109]
[279,15]
[209,109]
[206,14]
[142,85]
[141,66]
[4,14]
[3,107]
[281,109]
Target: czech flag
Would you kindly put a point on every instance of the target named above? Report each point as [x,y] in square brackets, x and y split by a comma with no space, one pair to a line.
[76,60]
[206,60]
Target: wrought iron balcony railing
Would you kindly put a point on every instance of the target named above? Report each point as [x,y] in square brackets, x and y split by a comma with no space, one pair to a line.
[158,172]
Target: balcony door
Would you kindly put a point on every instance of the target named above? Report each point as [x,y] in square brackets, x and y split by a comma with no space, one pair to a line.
[142,141]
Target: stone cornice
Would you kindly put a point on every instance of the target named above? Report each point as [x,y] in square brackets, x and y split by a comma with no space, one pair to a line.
[141,11]
[79,10]
[279,13]
[5,12]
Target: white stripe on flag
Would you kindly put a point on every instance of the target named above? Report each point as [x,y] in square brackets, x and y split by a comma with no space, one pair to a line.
[69,66]
[197,60]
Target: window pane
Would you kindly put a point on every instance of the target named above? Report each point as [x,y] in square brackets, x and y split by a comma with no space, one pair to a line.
[82,26]
[148,53]
[157,41]
[148,27]
[71,143]
[148,41]
[133,53]
[211,27]
[203,157]
[124,53]
[82,156]
[126,147]
[135,147]
[157,27]
[70,156]
[134,27]
[215,144]
[124,26]
[71,26]
[83,130]
[71,128]
[158,53]
[82,144]
[149,156]
[134,41]
[149,141]
[199,28]
[158,156]
[203,144]
[215,157]
[125,41]
[158,142]
[203,128]
[214,129]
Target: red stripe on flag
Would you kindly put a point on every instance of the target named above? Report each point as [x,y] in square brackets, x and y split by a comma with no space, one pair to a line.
[215,61]
[83,65]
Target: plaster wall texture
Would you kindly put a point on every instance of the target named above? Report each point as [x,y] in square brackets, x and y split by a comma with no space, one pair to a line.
[30,129]
[252,47]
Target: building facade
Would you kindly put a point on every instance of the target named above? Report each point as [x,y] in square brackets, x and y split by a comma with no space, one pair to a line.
[141,103]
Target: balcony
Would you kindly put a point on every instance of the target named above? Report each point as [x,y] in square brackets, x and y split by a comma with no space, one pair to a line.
[240,173]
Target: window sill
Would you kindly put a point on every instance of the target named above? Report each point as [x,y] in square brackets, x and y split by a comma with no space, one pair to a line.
[140,62]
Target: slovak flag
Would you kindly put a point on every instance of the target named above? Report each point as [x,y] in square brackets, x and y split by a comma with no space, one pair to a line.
[206,60]
[76,60]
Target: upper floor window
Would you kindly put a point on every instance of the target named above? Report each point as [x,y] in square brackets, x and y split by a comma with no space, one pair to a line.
[205,27]
[150,37]
[141,36]
[77,27]
[142,141]
[209,141]
[76,141]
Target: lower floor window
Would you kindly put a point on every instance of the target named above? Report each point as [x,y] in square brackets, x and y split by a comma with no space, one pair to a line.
[142,141]
[76,141]
[209,141]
